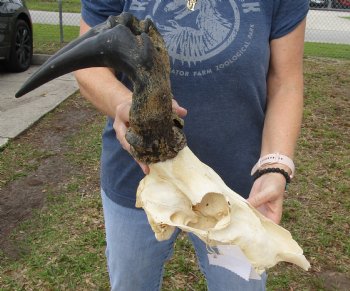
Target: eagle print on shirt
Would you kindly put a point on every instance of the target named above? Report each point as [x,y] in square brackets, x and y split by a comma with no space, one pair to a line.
[194,37]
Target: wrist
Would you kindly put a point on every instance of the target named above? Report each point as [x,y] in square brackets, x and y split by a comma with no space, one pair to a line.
[275,160]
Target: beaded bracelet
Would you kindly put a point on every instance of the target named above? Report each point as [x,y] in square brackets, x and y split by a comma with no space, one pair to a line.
[259,173]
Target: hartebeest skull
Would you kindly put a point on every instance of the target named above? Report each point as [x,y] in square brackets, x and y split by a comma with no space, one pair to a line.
[183,192]
[180,191]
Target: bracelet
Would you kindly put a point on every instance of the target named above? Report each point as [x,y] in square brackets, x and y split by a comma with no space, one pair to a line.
[259,173]
[274,159]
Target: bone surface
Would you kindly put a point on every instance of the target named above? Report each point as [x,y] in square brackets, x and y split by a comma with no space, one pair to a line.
[184,192]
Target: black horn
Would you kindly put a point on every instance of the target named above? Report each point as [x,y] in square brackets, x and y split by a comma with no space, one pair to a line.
[137,49]
[114,43]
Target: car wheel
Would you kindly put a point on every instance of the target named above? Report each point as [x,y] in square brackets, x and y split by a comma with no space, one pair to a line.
[21,47]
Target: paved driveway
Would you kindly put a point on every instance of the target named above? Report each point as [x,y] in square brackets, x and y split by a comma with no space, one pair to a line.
[16,115]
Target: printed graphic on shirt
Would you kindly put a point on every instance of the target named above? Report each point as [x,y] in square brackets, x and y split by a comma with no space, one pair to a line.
[194,37]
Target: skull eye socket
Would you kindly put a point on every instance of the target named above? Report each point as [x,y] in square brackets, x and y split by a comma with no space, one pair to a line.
[212,212]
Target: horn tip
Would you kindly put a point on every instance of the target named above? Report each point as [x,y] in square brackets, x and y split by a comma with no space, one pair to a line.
[20,93]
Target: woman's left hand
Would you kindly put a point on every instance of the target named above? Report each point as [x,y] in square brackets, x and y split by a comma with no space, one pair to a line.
[267,195]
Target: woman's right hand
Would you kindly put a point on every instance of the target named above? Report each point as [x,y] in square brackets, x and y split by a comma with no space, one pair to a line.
[121,124]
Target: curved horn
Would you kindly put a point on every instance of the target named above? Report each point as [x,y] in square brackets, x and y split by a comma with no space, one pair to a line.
[115,43]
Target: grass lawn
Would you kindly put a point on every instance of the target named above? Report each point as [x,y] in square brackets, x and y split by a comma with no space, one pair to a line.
[338,51]
[47,37]
[52,5]
[60,244]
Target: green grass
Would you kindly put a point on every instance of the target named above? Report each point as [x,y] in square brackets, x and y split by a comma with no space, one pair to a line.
[52,5]
[60,252]
[27,159]
[47,37]
[338,51]
[49,263]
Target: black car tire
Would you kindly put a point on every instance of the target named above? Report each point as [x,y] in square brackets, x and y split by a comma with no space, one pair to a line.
[21,52]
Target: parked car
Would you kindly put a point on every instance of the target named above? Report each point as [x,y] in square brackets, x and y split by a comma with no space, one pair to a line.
[341,3]
[318,3]
[16,35]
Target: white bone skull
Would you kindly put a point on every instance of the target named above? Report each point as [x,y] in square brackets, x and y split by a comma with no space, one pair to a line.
[184,192]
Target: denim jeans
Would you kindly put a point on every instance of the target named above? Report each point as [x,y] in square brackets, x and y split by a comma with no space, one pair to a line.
[135,259]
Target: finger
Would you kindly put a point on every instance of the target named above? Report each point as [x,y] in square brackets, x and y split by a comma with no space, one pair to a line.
[144,167]
[255,188]
[120,130]
[271,210]
[122,112]
[182,112]
[274,211]
[259,198]
[275,216]
[270,205]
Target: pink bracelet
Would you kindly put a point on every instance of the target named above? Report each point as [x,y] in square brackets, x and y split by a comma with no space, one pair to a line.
[275,158]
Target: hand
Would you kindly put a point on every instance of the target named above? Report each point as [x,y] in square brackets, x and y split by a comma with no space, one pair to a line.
[267,195]
[121,124]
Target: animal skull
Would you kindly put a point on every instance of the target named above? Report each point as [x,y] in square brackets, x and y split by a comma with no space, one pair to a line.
[184,192]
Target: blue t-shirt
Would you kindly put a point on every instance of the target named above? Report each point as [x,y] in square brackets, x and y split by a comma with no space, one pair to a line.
[219,55]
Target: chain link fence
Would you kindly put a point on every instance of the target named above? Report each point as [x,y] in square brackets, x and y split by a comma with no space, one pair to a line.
[328,21]
[55,23]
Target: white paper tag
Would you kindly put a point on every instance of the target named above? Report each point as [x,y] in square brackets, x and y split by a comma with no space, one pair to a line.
[232,258]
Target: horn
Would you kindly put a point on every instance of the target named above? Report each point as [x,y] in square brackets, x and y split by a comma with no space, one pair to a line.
[137,49]
[110,44]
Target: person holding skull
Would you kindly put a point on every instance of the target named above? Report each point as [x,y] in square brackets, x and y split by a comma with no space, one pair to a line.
[236,69]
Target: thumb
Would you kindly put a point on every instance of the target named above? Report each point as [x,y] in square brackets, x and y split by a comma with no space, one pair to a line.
[182,112]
